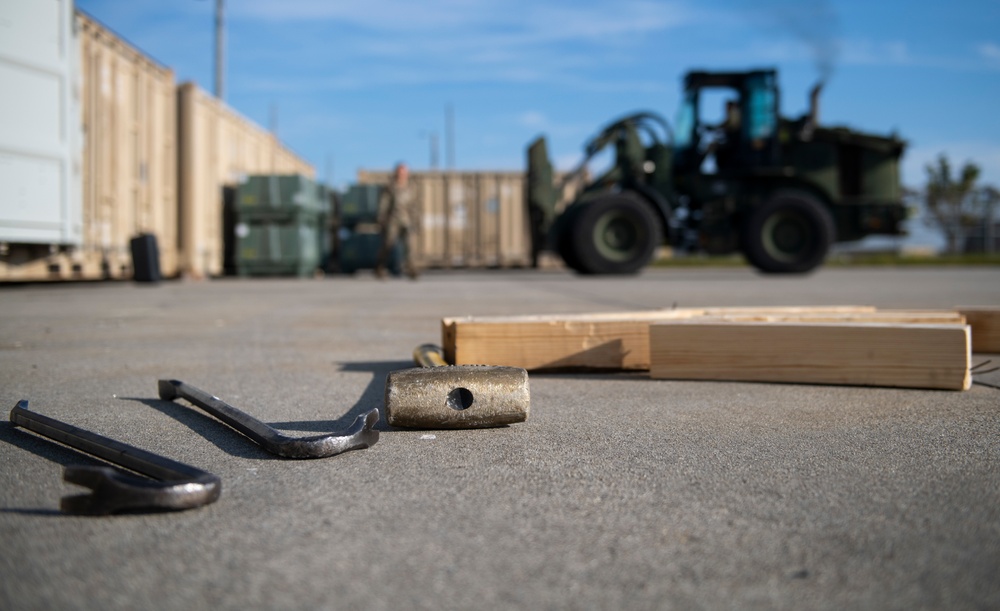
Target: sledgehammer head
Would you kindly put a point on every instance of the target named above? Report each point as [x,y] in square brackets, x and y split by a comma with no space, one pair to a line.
[457,397]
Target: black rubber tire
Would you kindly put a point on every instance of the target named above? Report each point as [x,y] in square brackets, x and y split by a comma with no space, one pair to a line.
[564,238]
[615,234]
[790,234]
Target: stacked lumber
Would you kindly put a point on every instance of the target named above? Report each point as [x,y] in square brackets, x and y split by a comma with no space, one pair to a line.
[855,345]
[909,355]
[985,323]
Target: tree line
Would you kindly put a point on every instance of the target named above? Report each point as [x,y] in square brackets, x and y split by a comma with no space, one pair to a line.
[964,210]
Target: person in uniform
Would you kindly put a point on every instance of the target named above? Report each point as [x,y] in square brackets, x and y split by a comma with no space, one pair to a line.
[724,146]
[398,221]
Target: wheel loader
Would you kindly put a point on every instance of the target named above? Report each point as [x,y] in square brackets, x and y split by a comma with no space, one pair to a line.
[779,190]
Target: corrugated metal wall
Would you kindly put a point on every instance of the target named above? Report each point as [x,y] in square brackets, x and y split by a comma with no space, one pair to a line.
[130,153]
[218,147]
[468,219]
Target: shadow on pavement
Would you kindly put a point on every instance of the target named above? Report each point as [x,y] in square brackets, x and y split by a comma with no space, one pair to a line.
[236,444]
[372,397]
[47,449]
[224,438]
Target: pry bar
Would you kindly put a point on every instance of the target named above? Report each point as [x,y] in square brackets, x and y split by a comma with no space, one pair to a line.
[180,486]
[359,435]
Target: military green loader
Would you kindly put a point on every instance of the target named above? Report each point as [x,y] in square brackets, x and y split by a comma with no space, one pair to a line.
[781,191]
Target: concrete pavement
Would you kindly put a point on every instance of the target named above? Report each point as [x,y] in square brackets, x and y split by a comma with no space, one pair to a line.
[619,492]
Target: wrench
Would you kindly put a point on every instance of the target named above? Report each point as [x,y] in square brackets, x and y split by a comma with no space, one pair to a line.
[180,487]
[359,435]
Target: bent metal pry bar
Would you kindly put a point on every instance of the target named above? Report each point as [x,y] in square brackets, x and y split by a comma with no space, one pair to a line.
[174,485]
[359,435]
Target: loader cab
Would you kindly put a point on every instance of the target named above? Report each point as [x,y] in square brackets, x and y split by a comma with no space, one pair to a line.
[742,137]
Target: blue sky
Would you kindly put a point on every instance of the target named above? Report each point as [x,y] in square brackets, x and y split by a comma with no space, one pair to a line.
[363,83]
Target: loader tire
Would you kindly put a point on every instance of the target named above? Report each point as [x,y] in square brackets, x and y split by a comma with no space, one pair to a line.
[564,238]
[615,234]
[791,233]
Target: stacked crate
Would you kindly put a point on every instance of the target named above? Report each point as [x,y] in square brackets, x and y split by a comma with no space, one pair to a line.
[358,236]
[281,226]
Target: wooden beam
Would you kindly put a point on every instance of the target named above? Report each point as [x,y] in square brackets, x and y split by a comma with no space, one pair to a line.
[851,353]
[881,316]
[583,341]
[985,323]
[610,340]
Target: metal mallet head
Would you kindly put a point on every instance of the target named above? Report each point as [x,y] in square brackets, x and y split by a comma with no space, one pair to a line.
[457,397]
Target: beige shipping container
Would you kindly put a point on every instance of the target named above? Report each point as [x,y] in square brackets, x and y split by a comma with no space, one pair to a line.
[130,153]
[218,148]
[127,119]
[468,218]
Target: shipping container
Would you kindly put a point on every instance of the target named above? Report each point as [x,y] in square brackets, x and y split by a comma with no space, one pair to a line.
[468,219]
[40,207]
[218,149]
[129,123]
[125,176]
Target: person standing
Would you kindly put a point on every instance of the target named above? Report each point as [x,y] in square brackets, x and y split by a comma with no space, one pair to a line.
[398,220]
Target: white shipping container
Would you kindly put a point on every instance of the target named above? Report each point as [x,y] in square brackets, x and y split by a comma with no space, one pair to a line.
[39,126]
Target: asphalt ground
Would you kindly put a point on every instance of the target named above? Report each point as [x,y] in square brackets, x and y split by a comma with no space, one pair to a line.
[619,492]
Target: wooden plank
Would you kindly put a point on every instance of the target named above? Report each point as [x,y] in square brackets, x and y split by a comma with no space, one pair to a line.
[985,323]
[608,340]
[881,316]
[777,310]
[598,341]
[851,353]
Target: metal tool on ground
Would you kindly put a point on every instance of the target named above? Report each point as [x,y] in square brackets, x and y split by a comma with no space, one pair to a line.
[174,485]
[455,396]
[429,355]
[359,435]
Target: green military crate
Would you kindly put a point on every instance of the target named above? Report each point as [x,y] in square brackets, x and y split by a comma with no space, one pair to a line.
[359,250]
[359,204]
[280,247]
[281,227]
[273,196]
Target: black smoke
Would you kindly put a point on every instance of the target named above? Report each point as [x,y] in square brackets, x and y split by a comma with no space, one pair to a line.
[814,23]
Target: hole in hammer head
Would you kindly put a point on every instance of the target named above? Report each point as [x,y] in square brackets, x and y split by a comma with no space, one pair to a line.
[460,398]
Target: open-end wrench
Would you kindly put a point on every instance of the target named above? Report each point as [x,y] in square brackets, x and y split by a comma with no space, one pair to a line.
[358,435]
[180,486]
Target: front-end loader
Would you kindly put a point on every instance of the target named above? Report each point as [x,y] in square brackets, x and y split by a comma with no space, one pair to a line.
[781,191]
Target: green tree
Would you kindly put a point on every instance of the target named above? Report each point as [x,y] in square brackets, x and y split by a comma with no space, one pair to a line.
[953,202]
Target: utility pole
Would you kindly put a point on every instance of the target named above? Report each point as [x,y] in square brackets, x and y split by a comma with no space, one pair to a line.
[449,135]
[274,134]
[220,10]
[432,137]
